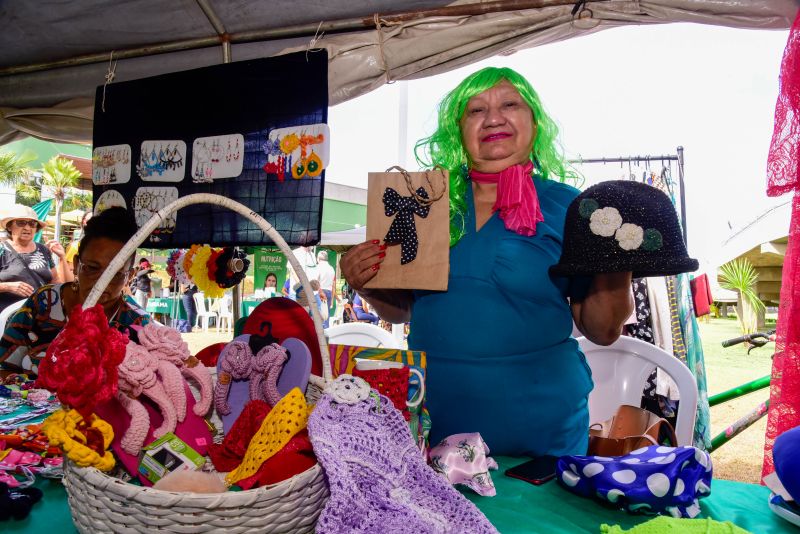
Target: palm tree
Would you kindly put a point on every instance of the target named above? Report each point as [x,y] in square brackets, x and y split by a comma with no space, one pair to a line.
[59,176]
[14,167]
[740,276]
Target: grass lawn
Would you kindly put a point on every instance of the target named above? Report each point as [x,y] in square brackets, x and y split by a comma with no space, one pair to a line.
[741,458]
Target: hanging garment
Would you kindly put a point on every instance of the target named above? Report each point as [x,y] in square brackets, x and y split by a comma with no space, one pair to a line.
[694,360]
[701,295]
[642,328]
[678,346]
[659,312]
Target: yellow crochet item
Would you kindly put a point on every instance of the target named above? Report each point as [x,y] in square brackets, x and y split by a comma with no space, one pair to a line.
[61,428]
[286,419]
[199,274]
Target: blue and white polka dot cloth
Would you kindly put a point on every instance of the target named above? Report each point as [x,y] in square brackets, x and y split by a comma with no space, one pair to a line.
[650,480]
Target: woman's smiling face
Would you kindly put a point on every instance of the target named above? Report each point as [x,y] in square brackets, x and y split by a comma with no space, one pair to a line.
[497,128]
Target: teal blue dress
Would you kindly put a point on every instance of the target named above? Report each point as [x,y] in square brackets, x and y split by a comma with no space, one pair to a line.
[501,359]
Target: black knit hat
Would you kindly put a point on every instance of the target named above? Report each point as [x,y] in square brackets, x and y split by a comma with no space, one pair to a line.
[619,226]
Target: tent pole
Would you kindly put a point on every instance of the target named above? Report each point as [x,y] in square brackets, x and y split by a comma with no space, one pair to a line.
[300,30]
[219,27]
[683,196]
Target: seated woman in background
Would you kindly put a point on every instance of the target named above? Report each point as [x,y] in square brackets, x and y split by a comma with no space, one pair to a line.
[362,310]
[271,284]
[25,265]
[30,331]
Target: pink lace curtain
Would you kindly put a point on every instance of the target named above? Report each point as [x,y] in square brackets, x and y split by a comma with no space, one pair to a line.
[783,176]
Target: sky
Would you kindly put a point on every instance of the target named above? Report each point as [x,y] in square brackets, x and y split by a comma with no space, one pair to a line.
[632,91]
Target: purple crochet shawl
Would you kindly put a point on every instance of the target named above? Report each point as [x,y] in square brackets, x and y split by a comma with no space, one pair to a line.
[378,479]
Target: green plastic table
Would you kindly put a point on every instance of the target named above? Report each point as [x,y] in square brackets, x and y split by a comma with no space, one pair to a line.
[518,507]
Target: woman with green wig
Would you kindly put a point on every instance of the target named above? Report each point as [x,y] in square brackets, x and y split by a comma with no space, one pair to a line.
[501,357]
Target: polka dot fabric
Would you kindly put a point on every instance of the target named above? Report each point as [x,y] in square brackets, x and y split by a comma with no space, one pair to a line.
[650,480]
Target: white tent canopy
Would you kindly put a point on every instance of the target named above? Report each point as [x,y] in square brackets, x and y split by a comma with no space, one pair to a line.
[53,54]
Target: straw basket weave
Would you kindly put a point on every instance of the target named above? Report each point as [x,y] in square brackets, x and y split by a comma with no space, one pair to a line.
[100,503]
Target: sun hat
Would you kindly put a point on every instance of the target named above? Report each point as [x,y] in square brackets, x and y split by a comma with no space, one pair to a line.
[18,211]
[620,226]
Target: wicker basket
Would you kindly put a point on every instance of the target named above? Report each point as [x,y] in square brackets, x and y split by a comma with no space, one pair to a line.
[100,503]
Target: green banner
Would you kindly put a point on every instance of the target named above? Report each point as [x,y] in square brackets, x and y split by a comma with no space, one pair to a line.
[269,260]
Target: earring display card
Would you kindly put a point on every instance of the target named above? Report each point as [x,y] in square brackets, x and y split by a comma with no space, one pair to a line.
[298,152]
[410,212]
[162,161]
[204,131]
[217,157]
[111,164]
[148,201]
[109,199]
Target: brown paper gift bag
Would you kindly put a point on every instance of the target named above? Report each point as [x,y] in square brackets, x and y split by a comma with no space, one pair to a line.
[410,211]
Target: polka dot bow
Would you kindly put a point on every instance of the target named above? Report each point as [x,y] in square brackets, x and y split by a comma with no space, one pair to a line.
[403,229]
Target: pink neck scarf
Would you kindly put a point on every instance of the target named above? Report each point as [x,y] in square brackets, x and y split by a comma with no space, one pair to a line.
[516,201]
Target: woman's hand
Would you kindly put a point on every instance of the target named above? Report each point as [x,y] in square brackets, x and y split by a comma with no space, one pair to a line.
[56,248]
[17,288]
[361,263]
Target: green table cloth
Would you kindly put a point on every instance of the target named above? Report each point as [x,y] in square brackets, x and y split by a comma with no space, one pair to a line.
[248,305]
[166,306]
[518,507]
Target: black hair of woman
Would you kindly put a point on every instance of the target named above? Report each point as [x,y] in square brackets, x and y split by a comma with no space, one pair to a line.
[116,224]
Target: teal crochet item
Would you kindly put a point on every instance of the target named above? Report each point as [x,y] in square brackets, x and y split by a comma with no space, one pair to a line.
[672,525]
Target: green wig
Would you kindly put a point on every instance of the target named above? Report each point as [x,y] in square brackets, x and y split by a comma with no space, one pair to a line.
[445,148]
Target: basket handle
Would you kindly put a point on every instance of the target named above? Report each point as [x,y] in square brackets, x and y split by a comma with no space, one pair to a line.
[206,198]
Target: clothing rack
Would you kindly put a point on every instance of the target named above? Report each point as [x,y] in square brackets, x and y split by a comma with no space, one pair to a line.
[647,160]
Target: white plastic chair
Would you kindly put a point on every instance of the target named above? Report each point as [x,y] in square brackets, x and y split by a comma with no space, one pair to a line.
[620,371]
[361,335]
[225,313]
[16,357]
[202,313]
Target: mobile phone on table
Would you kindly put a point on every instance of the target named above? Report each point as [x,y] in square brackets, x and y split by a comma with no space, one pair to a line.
[536,471]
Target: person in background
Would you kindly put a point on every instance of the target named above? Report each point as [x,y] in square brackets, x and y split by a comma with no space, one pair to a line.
[308,261]
[362,310]
[286,290]
[33,327]
[25,265]
[142,285]
[72,249]
[271,285]
[187,298]
[318,298]
[327,280]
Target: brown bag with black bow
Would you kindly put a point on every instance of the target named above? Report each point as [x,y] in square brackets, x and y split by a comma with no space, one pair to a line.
[631,428]
[410,212]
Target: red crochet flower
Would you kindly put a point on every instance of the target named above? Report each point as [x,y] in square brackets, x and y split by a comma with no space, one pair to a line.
[81,363]
[211,264]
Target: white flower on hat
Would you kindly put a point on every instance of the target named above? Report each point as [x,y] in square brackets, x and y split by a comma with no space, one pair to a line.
[629,236]
[605,221]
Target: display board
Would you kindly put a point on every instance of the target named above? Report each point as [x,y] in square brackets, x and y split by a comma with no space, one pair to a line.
[254,131]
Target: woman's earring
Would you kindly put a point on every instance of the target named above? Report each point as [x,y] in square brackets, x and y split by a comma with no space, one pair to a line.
[75,285]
